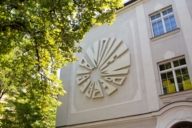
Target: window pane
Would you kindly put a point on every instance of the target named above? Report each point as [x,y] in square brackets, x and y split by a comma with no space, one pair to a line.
[155,16]
[167,65]
[180,82]
[160,27]
[157,28]
[167,24]
[169,75]
[184,71]
[186,77]
[180,86]
[182,61]
[173,23]
[168,86]
[183,79]
[163,76]
[178,72]
[179,79]
[176,63]
[168,83]
[167,11]
[162,67]
[187,84]
[165,84]
[170,23]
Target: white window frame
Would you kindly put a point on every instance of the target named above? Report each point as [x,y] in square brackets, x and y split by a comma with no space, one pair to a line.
[162,19]
[172,69]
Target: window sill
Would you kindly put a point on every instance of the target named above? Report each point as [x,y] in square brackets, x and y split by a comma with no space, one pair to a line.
[178,96]
[165,34]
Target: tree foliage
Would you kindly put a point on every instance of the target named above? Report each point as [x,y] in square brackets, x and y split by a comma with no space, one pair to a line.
[37,37]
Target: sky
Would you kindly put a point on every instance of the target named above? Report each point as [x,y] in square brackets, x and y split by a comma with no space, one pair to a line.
[126,1]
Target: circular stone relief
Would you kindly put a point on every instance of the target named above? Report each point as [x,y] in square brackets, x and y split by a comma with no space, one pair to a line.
[103,68]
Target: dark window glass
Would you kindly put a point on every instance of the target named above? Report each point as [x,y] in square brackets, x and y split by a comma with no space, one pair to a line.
[178,72]
[184,71]
[169,75]
[155,16]
[182,61]
[165,12]
[180,86]
[163,76]
[162,67]
[179,79]
[176,63]
[167,65]
[186,77]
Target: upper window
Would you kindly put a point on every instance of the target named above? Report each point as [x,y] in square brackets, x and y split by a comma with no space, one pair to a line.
[163,22]
[174,76]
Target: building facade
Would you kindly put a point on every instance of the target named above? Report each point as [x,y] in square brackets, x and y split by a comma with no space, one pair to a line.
[135,73]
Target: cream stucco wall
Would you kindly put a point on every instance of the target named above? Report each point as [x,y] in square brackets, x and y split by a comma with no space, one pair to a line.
[189,4]
[139,94]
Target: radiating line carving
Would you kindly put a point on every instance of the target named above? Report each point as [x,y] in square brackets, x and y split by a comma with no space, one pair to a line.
[103,68]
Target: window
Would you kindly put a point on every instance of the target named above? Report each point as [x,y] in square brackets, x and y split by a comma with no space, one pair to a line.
[163,22]
[174,76]
[184,124]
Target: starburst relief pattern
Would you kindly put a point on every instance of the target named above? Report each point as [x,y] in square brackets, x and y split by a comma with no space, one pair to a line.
[103,67]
